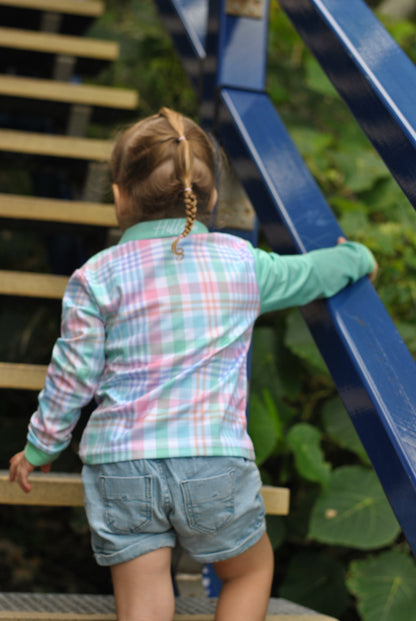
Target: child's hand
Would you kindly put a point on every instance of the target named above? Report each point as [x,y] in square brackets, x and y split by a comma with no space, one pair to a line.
[20,469]
[373,274]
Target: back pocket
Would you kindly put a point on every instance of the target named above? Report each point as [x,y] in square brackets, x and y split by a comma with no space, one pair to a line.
[209,502]
[128,503]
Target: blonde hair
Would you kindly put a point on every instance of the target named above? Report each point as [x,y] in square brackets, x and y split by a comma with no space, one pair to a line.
[165,164]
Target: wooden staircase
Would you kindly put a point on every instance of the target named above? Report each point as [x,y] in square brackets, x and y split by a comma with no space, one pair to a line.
[43,49]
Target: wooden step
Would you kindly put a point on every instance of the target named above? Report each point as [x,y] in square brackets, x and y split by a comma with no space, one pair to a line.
[17,606]
[55,146]
[51,43]
[89,8]
[65,490]
[22,376]
[63,92]
[53,210]
[56,210]
[69,16]
[51,490]
[30,284]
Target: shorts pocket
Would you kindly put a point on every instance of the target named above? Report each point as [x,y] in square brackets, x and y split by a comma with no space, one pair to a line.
[209,502]
[128,502]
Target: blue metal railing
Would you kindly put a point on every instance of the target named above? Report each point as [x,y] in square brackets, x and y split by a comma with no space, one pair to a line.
[225,55]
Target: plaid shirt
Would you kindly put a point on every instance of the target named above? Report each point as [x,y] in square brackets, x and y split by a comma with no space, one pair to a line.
[161,344]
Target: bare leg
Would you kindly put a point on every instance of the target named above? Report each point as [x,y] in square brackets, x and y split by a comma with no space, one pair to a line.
[247,581]
[143,588]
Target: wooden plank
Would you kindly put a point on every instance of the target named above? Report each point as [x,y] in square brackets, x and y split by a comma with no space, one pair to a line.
[276,499]
[50,490]
[64,92]
[30,284]
[54,210]
[55,146]
[22,376]
[52,43]
[66,490]
[89,8]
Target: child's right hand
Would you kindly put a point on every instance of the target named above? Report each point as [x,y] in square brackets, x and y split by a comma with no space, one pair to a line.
[20,469]
[371,275]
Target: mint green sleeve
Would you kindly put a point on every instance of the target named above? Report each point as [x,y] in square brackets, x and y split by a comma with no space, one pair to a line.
[38,458]
[285,281]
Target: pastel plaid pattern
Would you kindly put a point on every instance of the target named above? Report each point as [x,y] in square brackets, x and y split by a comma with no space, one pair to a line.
[161,344]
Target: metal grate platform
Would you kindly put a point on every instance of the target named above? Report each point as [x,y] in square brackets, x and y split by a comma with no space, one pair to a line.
[39,606]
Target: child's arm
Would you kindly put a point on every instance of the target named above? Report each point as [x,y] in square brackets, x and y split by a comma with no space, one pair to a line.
[286,281]
[76,365]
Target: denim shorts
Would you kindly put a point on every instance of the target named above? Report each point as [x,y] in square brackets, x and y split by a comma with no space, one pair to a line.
[211,506]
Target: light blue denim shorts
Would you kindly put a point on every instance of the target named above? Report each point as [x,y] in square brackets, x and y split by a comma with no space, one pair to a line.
[211,506]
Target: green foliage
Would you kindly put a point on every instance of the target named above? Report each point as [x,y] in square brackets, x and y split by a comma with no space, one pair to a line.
[305,442]
[298,339]
[337,424]
[317,581]
[147,62]
[385,586]
[353,511]
[338,508]
[267,430]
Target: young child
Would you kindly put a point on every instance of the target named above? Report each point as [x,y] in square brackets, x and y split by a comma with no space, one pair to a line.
[157,330]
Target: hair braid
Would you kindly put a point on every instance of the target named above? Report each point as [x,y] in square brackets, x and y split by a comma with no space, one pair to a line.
[184,168]
[190,211]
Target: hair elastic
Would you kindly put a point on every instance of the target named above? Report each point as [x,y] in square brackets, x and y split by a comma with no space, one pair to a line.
[187,189]
[180,138]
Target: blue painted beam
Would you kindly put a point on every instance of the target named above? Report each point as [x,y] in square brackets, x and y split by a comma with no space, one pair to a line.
[235,54]
[370,71]
[371,366]
[241,50]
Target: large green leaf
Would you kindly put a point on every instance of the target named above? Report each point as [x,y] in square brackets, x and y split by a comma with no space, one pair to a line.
[264,369]
[264,426]
[272,365]
[339,427]
[385,587]
[353,511]
[299,340]
[305,442]
[316,581]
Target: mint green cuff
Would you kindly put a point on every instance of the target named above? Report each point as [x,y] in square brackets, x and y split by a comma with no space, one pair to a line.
[371,261]
[36,457]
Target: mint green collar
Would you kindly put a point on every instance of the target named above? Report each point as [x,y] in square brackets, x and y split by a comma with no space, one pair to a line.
[171,227]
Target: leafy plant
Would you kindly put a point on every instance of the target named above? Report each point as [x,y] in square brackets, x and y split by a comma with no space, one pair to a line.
[353,511]
[384,586]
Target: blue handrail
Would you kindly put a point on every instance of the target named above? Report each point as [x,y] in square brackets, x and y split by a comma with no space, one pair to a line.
[372,74]
[371,366]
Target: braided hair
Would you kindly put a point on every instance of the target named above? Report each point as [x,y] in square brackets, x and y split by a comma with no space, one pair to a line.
[165,164]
